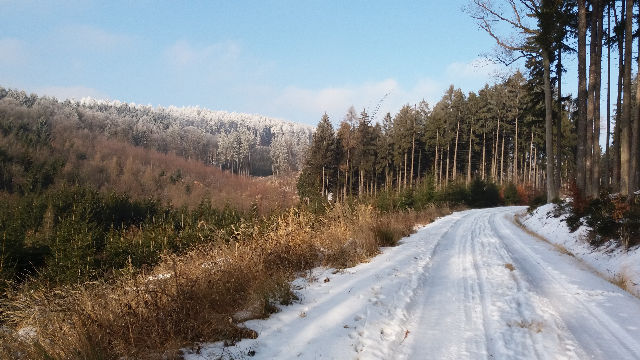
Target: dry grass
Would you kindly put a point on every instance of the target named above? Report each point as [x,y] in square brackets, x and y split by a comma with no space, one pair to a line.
[200,296]
[510,267]
[624,281]
[560,248]
[532,325]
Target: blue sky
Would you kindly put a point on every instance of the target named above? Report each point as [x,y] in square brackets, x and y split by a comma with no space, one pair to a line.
[287,59]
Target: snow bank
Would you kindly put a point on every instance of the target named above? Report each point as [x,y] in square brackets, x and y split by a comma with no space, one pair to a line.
[618,265]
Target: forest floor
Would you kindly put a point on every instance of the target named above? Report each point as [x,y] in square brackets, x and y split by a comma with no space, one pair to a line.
[471,285]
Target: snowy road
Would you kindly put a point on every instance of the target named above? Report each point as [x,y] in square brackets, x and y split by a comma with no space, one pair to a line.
[472,285]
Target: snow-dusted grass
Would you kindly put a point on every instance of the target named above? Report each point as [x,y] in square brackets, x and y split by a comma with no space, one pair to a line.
[619,266]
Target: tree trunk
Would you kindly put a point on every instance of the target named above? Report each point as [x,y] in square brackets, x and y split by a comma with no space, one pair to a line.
[515,155]
[591,100]
[469,162]
[484,143]
[495,154]
[323,182]
[551,189]
[413,148]
[502,158]
[625,123]
[346,177]
[595,182]
[633,167]
[435,163]
[615,176]
[447,169]
[535,167]
[440,176]
[455,152]
[606,149]
[419,164]
[530,156]
[558,178]
[404,182]
[582,98]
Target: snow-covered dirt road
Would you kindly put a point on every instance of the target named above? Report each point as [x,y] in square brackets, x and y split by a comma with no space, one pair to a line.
[472,285]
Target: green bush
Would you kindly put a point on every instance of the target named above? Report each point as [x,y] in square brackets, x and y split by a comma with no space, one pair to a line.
[510,194]
[75,234]
[483,194]
[454,193]
[536,202]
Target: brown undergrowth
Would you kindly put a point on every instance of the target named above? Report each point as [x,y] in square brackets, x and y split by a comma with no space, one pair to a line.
[203,295]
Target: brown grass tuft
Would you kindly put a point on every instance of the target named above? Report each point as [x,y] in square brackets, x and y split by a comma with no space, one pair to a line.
[510,267]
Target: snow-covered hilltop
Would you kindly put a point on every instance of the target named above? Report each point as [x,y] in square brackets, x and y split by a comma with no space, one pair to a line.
[242,143]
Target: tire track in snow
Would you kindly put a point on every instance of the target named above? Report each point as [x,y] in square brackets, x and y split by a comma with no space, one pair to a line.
[596,332]
[473,307]
[382,339]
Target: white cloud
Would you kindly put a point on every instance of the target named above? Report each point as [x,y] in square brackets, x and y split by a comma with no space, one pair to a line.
[91,37]
[307,105]
[182,53]
[300,103]
[70,92]
[475,73]
[12,52]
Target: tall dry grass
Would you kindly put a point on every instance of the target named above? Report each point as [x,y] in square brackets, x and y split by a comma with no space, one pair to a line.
[203,295]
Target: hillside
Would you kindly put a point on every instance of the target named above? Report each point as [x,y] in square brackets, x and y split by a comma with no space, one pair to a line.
[241,143]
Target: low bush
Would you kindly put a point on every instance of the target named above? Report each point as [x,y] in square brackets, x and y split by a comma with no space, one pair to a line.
[610,217]
[483,194]
[511,195]
[76,234]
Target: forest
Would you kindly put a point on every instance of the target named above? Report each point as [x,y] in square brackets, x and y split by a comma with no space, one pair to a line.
[523,130]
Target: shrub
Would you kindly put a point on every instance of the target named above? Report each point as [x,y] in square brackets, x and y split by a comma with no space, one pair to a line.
[456,193]
[536,201]
[610,217]
[511,195]
[483,194]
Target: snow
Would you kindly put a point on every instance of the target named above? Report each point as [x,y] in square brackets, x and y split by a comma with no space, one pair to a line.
[610,261]
[468,286]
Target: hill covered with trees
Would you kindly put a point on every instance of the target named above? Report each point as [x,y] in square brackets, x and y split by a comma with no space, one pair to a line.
[239,143]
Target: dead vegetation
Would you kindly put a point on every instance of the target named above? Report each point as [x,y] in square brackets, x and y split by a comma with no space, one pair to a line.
[203,295]
[532,325]
[510,267]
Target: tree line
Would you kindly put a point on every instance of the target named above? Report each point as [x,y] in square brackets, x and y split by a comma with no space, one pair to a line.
[494,135]
[522,130]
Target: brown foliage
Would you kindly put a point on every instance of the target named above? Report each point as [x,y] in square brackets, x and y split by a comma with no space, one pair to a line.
[111,165]
[580,202]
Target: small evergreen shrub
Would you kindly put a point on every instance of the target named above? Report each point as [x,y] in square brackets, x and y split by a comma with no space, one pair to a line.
[511,195]
[483,194]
